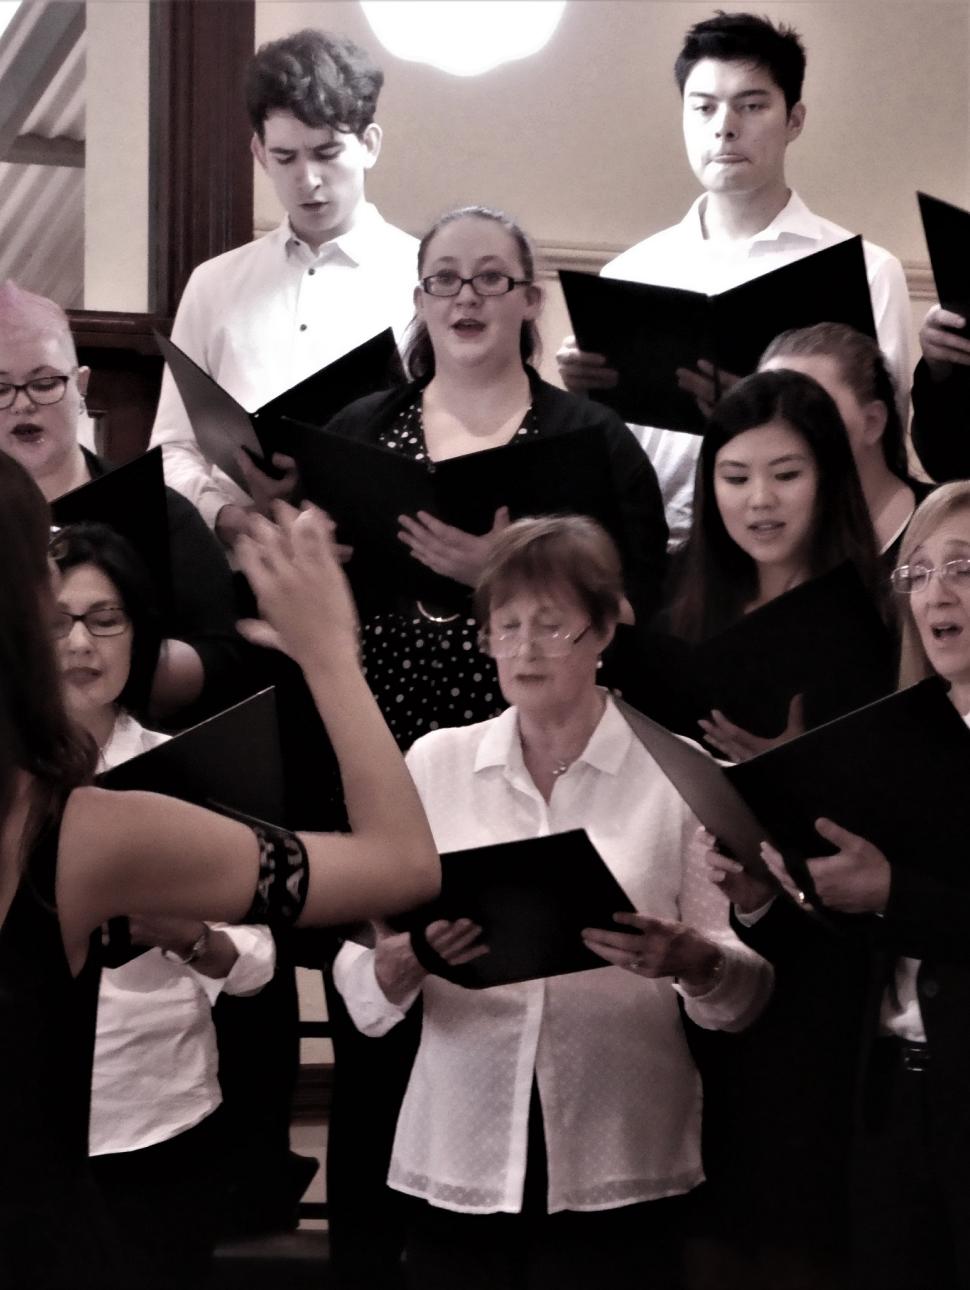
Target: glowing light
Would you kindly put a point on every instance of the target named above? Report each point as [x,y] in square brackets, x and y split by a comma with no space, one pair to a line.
[7,10]
[463,37]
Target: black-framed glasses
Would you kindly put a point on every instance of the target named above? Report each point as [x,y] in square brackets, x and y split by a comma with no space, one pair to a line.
[487,283]
[549,642]
[916,577]
[41,390]
[105,620]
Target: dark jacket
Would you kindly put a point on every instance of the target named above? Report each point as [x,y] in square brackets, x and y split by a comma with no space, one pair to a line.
[941,413]
[644,544]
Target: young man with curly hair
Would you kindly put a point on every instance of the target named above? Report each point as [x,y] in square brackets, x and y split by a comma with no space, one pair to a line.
[266,315]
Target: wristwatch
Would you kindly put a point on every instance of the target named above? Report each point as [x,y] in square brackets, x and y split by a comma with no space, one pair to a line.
[196,950]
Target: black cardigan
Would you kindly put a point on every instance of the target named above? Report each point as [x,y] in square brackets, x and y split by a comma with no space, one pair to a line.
[644,548]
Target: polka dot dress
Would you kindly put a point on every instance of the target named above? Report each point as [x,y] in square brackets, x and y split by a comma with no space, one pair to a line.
[427,673]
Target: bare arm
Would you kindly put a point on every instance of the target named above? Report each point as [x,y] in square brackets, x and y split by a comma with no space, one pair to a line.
[140,853]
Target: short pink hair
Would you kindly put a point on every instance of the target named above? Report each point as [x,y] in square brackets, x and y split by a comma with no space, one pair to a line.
[24,312]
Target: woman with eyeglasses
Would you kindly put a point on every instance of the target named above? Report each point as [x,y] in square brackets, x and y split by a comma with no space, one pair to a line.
[155,1139]
[550,1128]
[470,356]
[42,389]
[72,857]
[910,1184]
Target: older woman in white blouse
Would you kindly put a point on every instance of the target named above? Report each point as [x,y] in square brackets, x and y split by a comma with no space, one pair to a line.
[548,1124]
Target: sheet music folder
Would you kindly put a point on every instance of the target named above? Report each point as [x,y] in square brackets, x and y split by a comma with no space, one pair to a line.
[131,500]
[647,332]
[947,232]
[222,426]
[824,640]
[231,763]
[894,772]
[531,898]
[365,488]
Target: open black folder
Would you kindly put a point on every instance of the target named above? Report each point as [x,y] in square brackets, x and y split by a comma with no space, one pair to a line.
[365,488]
[532,900]
[131,500]
[222,426]
[230,763]
[648,332]
[894,772]
[947,232]
[824,640]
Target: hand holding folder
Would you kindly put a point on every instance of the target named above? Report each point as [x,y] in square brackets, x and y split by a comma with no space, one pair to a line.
[531,899]
[223,427]
[650,333]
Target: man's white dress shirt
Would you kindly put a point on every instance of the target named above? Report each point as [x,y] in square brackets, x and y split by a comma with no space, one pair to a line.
[265,316]
[155,1056]
[682,257]
[620,1095]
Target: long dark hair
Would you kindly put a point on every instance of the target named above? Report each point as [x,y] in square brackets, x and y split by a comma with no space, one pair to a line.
[862,367]
[418,351]
[36,734]
[107,550]
[718,578]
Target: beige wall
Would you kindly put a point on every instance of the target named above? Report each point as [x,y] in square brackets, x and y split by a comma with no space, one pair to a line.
[582,141]
[116,156]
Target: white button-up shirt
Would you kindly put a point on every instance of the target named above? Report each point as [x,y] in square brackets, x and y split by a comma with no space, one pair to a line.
[265,316]
[682,257]
[156,1060]
[620,1095]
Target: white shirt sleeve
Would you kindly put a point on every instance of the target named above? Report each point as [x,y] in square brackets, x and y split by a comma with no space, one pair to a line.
[744,984]
[186,469]
[893,318]
[253,968]
[370,1010]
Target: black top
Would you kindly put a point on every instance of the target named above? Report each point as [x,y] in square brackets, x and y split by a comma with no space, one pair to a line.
[204,608]
[940,414]
[53,1234]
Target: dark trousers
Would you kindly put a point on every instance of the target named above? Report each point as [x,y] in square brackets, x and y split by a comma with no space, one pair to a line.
[912,1208]
[635,1245]
[165,1201]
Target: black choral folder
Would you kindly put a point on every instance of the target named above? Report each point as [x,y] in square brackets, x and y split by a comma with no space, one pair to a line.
[947,232]
[894,772]
[230,763]
[222,425]
[824,640]
[647,332]
[131,500]
[365,488]
[532,900]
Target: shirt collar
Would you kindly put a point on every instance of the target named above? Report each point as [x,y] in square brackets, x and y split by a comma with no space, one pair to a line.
[124,742]
[354,246]
[793,220]
[606,750]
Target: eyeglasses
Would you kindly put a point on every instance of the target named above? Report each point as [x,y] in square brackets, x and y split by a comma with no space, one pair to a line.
[487,283]
[548,642]
[916,577]
[106,620]
[42,390]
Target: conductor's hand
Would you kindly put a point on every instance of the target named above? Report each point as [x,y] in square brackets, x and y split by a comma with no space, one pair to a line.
[941,343]
[744,890]
[702,383]
[581,371]
[305,604]
[853,881]
[658,947]
[447,550]
[740,745]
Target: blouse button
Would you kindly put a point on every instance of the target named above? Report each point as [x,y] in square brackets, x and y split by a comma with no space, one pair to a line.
[302,326]
[311,272]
